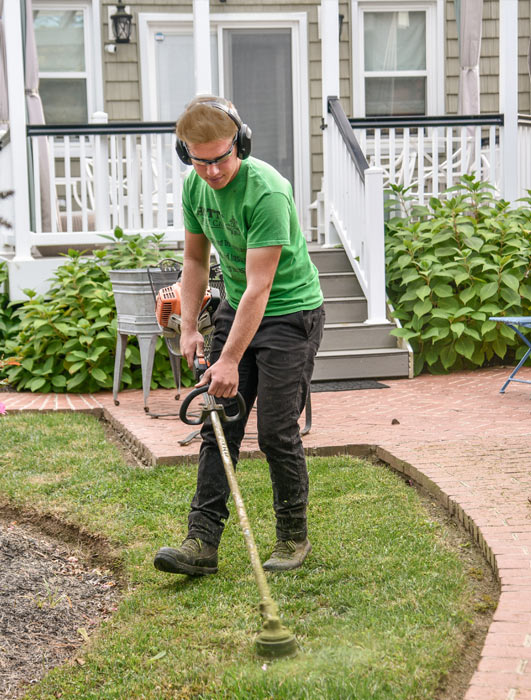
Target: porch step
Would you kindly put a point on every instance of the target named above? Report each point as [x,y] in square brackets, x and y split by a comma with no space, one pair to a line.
[330,259]
[340,284]
[346,309]
[370,363]
[351,348]
[346,336]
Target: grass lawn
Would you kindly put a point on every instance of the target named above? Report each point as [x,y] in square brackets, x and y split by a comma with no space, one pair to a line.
[380,609]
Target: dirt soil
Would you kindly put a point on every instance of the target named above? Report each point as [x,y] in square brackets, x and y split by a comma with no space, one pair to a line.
[57,585]
[52,597]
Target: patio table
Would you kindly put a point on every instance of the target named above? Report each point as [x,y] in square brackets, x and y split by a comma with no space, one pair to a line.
[516,322]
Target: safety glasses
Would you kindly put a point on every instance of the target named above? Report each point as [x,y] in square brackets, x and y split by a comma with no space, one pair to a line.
[215,161]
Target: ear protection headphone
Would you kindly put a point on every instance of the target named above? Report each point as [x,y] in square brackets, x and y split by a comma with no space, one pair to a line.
[243,137]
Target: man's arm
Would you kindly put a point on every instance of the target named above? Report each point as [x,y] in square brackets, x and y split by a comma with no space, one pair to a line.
[193,285]
[260,267]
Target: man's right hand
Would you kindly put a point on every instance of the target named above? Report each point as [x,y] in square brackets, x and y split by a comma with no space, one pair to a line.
[192,344]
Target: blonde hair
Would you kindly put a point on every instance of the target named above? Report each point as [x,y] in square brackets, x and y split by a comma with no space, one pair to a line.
[202,122]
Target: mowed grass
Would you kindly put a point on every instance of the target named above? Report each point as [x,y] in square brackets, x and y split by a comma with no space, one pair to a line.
[380,609]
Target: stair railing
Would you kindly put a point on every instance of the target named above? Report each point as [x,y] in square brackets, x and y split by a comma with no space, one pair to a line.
[354,207]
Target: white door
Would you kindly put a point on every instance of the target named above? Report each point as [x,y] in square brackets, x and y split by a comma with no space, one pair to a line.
[256,62]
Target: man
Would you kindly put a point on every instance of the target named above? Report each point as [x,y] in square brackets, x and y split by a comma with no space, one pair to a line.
[266,333]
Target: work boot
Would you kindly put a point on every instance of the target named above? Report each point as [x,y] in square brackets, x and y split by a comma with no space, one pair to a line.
[194,557]
[287,555]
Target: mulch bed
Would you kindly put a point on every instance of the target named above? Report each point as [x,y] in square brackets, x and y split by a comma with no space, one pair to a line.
[51,600]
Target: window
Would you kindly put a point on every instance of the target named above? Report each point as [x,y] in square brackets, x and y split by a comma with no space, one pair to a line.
[396,50]
[60,34]
[395,63]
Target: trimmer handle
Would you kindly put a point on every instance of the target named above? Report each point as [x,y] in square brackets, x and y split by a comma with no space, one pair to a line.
[200,366]
[242,408]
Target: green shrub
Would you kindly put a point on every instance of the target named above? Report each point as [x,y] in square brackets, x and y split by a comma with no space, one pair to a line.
[453,264]
[9,323]
[66,342]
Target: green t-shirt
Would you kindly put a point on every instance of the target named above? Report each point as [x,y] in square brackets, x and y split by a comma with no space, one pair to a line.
[255,210]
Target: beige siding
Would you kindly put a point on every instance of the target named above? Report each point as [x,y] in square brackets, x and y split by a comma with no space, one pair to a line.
[489,60]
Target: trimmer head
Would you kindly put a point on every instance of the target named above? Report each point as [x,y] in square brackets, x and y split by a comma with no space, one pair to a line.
[275,641]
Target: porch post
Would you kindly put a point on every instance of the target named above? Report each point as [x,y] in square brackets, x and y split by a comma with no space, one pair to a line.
[375,228]
[99,102]
[17,129]
[509,96]
[330,87]
[203,71]
[101,175]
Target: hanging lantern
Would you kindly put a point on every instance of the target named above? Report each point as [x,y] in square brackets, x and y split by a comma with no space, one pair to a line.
[121,24]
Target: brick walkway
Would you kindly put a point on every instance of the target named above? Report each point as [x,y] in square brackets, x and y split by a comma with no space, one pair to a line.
[456,435]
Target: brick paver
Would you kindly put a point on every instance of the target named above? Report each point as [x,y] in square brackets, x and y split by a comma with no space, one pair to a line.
[456,435]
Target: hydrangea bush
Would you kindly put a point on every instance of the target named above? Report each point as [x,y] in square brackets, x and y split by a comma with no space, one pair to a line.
[453,264]
[66,342]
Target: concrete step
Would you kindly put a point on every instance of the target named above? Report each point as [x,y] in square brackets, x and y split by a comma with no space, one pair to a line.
[340,284]
[330,259]
[346,309]
[361,364]
[357,336]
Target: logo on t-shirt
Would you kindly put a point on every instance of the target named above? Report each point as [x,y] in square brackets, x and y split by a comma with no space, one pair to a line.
[214,220]
[233,227]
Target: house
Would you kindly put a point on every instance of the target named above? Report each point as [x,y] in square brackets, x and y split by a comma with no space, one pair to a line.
[105,157]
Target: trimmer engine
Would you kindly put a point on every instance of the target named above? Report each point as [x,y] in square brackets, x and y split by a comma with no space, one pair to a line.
[168,310]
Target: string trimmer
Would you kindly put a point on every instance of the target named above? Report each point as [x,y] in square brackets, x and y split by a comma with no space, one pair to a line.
[274,640]
[168,315]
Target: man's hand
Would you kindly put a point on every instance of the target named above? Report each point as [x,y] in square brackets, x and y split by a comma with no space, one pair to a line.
[192,344]
[223,378]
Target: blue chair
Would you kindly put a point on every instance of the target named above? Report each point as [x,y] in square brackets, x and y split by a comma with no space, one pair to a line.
[515,322]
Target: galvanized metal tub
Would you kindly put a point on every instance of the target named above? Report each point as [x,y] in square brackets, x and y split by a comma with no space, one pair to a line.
[135,306]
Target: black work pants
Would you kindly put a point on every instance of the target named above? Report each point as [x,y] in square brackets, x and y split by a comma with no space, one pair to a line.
[276,370]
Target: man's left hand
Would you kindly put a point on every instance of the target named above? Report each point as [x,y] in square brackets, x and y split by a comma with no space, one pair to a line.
[223,378]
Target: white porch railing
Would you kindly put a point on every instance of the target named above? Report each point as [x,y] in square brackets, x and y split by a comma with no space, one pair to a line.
[354,204]
[430,154]
[88,179]
[524,154]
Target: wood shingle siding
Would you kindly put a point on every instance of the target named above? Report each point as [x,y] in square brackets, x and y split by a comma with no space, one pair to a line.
[489,61]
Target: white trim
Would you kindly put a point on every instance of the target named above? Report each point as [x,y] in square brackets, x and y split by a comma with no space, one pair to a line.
[202,60]
[62,74]
[221,59]
[150,23]
[96,237]
[434,50]
[94,54]
[329,35]
[17,127]
[508,96]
